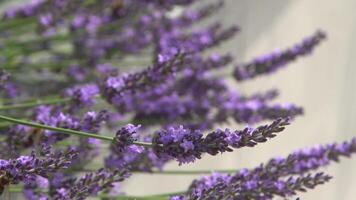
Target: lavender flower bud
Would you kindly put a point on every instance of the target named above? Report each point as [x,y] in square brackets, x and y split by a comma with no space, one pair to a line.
[271,62]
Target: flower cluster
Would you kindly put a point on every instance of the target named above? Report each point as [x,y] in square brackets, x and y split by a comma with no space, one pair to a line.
[124,137]
[62,186]
[186,145]
[245,185]
[28,168]
[278,177]
[90,184]
[83,96]
[123,152]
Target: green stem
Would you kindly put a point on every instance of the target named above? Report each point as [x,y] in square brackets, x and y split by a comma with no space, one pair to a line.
[147,197]
[186,172]
[167,194]
[15,189]
[170,172]
[19,188]
[35,103]
[67,131]
[10,24]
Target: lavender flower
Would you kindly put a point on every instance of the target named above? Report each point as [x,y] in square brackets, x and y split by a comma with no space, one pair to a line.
[171,100]
[170,43]
[27,168]
[250,186]
[62,186]
[305,160]
[89,148]
[21,137]
[92,183]
[122,151]
[25,11]
[33,189]
[186,145]
[278,59]
[253,111]
[58,120]
[83,96]
[136,158]
[115,88]
[92,121]
[125,137]
[190,17]
[279,176]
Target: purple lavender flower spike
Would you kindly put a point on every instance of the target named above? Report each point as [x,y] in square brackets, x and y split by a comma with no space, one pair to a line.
[10,89]
[92,183]
[27,168]
[254,109]
[192,16]
[125,137]
[187,146]
[83,96]
[21,137]
[117,87]
[32,189]
[92,121]
[305,160]
[124,159]
[271,62]
[250,186]
[278,177]
[89,148]
[65,186]
[136,158]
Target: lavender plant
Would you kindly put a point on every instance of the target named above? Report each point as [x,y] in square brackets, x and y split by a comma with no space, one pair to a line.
[133,85]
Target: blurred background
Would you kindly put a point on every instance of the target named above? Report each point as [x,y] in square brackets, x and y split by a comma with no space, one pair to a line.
[322,83]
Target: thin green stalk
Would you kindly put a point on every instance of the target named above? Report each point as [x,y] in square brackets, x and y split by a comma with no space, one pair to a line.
[48,97]
[171,172]
[147,197]
[19,189]
[4,124]
[167,194]
[67,131]
[35,103]
[11,24]
[186,172]
[61,65]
